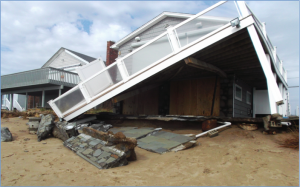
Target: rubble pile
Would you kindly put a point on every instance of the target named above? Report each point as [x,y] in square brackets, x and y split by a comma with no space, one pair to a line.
[6,136]
[103,149]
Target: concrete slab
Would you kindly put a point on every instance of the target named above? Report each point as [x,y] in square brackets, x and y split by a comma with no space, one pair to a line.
[162,141]
[133,132]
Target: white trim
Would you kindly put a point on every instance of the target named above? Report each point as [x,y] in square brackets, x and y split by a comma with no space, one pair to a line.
[70,53]
[249,103]
[184,52]
[237,98]
[149,24]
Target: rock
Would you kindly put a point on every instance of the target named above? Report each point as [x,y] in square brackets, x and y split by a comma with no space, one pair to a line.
[5,135]
[101,127]
[45,127]
[64,130]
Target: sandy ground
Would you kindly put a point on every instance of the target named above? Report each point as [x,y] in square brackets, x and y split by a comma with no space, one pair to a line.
[236,157]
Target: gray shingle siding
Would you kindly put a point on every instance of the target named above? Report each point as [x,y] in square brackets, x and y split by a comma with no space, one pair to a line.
[241,108]
[151,33]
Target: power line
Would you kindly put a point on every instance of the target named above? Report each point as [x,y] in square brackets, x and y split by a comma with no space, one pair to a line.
[293,86]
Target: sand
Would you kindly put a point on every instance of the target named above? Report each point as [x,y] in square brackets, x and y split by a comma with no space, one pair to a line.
[235,157]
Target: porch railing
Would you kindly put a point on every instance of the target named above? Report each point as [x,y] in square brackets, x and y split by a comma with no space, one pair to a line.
[39,76]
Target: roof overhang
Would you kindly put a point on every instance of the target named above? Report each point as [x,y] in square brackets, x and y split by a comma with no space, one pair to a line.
[149,24]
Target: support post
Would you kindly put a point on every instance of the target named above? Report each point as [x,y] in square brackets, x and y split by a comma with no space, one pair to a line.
[26,101]
[59,92]
[275,97]
[43,99]
[11,102]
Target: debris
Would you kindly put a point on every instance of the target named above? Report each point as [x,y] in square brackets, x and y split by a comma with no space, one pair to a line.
[26,151]
[184,146]
[249,127]
[64,130]
[26,139]
[291,142]
[6,136]
[45,127]
[213,133]
[101,127]
[84,120]
[33,124]
[225,125]
[209,124]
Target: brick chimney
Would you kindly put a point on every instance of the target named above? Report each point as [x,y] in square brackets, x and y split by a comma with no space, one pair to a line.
[111,54]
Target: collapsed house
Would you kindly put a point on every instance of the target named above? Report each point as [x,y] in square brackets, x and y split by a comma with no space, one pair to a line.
[219,62]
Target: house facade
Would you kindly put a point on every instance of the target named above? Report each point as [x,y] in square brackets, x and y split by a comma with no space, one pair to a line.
[219,62]
[31,89]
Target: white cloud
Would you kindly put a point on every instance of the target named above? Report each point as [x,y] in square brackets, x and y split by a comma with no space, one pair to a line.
[32,31]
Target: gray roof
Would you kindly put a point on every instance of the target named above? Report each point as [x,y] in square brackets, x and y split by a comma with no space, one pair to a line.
[85,57]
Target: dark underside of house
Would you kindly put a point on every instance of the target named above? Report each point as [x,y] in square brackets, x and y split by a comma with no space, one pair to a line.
[186,90]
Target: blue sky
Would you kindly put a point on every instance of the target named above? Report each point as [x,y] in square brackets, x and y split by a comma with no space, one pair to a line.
[32,31]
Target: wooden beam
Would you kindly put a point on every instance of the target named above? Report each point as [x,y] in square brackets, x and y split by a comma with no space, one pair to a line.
[203,65]
[124,96]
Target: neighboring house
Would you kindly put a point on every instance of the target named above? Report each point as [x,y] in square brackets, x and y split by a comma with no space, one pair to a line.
[219,62]
[30,89]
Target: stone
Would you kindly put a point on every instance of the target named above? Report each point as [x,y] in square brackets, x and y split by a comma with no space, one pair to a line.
[97,153]
[6,136]
[88,151]
[45,127]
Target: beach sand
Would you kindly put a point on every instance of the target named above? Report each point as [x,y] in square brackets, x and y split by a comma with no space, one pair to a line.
[236,157]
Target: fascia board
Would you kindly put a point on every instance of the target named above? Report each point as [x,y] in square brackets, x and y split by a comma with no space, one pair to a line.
[148,25]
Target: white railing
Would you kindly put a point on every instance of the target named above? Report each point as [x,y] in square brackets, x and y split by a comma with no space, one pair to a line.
[277,62]
[148,55]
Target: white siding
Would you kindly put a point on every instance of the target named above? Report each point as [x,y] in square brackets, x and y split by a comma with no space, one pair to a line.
[65,59]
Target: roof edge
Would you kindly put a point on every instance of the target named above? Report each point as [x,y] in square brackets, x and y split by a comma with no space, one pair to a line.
[149,24]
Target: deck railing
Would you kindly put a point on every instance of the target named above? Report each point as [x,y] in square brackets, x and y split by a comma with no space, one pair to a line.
[39,76]
[276,60]
[148,55]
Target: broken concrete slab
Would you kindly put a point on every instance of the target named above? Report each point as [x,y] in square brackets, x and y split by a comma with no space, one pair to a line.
[99,155]
[6,135]
[134,132]
[161,142]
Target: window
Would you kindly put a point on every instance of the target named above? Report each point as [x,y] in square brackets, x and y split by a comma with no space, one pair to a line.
[238,92]
[249,98]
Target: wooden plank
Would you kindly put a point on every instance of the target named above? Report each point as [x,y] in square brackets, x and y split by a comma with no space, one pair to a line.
[193,98]
[121,97]
[187,100]
[181,94]
[203,65]
[216,111]
[173,97]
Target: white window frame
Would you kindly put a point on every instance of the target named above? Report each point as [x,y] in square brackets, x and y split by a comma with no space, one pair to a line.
[249,103]
[240,99]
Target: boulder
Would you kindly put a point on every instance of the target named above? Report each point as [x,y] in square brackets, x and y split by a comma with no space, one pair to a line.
[45,127]
[5,135]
